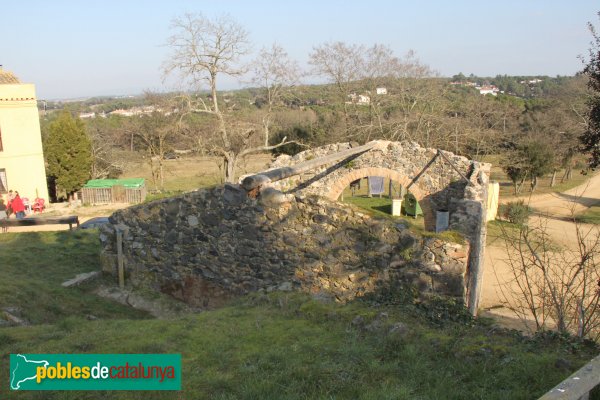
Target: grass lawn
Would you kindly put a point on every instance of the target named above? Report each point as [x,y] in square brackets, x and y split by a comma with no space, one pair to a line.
[276,346]
[190,173]
[506,185]
[381,207]
[287,346]
[498,231]
[32,267]
[590,216]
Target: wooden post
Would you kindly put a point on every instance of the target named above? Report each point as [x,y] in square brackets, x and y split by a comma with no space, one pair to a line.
[454,167]
[120,259]
[477,257]
[425,168]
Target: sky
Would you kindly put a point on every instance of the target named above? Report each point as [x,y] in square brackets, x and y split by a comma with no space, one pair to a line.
[72,49]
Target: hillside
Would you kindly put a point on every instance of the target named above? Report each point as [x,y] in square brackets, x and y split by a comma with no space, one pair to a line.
[278,345]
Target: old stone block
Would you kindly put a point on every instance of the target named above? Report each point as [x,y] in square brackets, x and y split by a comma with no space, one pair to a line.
[192,220]
[172,207]
[234,195]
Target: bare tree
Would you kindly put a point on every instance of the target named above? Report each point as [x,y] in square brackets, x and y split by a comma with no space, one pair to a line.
[204,49]
[411,110]
[157,133]
[274,72]
[342,65]
[106,160]
[555,287]
[380,65]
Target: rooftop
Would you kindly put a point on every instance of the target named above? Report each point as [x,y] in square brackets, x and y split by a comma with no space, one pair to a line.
[7,77]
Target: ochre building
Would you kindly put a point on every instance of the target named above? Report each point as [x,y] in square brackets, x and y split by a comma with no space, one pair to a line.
[22,166]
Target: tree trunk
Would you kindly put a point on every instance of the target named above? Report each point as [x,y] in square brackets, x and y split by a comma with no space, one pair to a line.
[553,180]
[266,126]
[153,171]
[161,175]
[229,161]
[534,182]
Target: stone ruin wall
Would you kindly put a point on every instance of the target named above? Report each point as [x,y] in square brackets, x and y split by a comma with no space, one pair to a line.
[211,245]
[439,187]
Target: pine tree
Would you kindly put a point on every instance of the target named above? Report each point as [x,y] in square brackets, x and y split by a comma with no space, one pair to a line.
[590,139]
[68,152]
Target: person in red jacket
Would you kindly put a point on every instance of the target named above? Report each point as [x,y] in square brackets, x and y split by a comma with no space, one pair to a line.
[17,206]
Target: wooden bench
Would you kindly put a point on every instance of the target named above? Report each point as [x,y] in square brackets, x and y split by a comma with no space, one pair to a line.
[71,220]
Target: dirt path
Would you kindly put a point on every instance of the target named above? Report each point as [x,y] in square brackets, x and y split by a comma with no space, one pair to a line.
[575,200]
[557,208]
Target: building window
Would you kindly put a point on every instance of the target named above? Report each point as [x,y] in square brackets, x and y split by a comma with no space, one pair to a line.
[3,184]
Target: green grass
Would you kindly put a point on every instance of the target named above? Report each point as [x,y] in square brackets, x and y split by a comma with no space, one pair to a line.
[497,230]
[276,346]
[590,216]
[32,267]
[162,195]
[506,185]
[287,346]
[381,207]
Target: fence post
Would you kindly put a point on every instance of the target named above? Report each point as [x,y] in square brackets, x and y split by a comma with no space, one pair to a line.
[120,258]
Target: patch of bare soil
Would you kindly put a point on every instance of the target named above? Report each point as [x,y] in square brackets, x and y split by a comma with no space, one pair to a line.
[556,210]
[156,304]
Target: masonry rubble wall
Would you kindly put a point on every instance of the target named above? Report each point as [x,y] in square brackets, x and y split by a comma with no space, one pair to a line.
[208,246]
[438,187]
[438,179]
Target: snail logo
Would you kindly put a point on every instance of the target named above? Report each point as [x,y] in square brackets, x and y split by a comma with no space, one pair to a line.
[24,370]
[95,372]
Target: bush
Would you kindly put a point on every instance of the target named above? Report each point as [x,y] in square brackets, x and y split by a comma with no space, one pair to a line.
[516,212]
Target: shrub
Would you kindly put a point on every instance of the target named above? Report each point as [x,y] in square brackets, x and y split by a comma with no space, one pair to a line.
[516,212]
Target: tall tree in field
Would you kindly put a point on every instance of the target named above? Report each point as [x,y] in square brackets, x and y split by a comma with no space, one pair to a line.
[68,153]
[590,140]
[379,65]
[342,64]
[531,159]
[202,51]
[156,133]
[274,72]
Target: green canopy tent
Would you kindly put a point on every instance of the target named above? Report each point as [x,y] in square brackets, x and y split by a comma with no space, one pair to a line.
[108,183]
[102,191]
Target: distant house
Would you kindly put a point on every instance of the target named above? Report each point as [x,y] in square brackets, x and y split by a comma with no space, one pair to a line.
[87,115]
[531,82]
[361,99]
[488,89]
[123,113]
[138,111]
[21,155]
[381,90]
[463,83]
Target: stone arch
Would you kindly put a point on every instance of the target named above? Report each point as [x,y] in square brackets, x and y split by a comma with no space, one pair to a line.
[340,183]
[336,189]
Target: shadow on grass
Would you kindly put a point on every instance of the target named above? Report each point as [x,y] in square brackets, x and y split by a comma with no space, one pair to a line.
[386,208]
[33,266]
